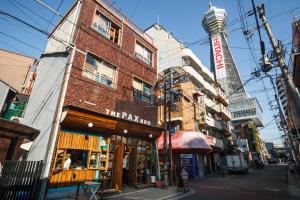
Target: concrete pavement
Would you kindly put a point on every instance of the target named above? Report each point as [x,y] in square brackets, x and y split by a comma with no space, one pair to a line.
[270,183]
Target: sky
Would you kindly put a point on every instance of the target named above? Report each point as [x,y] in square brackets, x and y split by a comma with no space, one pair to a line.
[183,19]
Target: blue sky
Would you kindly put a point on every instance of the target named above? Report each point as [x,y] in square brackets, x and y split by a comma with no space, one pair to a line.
[182,18]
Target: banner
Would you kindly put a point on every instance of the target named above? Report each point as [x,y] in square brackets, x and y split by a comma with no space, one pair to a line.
[218,56]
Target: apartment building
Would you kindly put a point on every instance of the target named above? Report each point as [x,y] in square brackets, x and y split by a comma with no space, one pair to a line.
[106,95]
[18,70]
[203,104]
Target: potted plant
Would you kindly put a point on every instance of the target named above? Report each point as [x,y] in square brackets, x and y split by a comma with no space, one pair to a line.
[158,183]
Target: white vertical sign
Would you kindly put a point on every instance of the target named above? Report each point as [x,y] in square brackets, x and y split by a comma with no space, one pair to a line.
[218,56]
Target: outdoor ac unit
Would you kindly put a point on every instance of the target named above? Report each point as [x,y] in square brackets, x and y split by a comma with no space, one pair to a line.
[17,119]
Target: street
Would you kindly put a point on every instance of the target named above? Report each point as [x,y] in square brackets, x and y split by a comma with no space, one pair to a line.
[269,183]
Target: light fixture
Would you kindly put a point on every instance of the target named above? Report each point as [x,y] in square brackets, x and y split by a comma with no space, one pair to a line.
[125,131]
[150,135]
[90,124]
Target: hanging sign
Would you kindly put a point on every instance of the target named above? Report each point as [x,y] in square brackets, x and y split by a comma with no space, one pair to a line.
[218,56]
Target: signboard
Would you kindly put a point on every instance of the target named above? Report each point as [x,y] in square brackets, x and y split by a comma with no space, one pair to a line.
[218,56]
[212,141]
[128,116]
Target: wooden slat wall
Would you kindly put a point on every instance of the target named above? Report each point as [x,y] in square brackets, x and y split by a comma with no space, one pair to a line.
[65,178]
[77,141]
[68,140]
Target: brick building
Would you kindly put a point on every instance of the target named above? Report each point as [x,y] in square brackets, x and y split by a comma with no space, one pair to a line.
[108,110]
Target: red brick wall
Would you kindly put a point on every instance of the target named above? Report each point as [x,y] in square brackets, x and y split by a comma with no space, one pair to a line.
[120,99]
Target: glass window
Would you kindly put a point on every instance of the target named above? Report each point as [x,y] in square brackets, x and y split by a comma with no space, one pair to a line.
[100,71]
[106,28]
[141,90]
[143,53]
[94,160]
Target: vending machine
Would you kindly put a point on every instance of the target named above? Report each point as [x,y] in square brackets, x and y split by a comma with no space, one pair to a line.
[189,162]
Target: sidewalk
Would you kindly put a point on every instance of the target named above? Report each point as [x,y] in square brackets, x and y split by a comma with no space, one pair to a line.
[169,193]
[152,194]
[293,186]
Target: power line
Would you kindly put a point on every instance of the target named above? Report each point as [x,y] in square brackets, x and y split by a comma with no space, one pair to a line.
[53,17]
[24,13]
[25,43]
[135,8]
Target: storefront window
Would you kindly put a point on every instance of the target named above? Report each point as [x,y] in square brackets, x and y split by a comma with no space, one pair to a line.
[78,158]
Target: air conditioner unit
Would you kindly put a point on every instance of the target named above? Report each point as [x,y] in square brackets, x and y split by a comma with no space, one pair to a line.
[16,119]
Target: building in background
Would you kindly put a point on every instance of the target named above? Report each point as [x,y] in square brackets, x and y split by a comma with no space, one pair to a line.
[202,106]
[104,108]
[18,72]
[245,111]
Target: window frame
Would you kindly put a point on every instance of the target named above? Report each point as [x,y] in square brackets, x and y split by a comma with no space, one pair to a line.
[141,57]
[142,92]
[88,73]
[118,30]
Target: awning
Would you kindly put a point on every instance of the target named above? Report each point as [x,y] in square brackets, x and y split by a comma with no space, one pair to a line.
[78,119]
[191,141]
[10,130]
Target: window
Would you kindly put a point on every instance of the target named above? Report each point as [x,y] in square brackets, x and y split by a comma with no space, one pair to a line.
[71,159]
[141,90]
[100,71]
[143,53]
[94,159]
[106,28]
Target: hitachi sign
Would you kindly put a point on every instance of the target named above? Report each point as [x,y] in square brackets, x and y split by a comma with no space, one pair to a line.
[218,56]
[218,53]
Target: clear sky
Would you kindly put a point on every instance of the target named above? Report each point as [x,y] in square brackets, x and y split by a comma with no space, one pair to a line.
[182,18]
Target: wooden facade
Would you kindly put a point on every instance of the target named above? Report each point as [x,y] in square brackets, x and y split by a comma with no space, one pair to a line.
[98,155]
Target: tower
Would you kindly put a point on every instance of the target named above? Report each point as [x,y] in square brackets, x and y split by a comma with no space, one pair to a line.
[245,111]
[222,62]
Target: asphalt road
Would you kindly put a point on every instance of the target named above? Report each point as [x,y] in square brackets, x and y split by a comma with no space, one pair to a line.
[270,183]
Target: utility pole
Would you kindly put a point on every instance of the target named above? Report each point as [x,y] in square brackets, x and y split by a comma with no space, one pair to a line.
[294,98]
[171,77]
[168,75]
[165,133]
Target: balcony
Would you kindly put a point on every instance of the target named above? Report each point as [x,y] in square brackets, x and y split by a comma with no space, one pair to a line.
[224,112]
[199,78]
[213,123]
[211,104]
[225,126]
[221,96]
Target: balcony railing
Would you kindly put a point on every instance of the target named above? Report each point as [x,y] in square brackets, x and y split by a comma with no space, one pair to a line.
[211,104]
[224,112]
[221,96]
